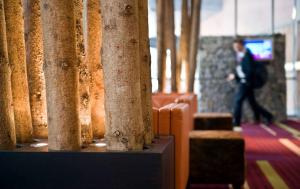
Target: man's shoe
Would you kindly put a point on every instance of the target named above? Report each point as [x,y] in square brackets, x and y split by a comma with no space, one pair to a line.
[270,121]
[237,129]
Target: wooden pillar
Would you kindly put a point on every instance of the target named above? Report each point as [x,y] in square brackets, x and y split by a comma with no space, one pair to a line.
[94,43]
[17,59]
[183,52]
[194,42]
[165,40]
[35,60]
[170,40]
[145,65]
[84,77]
[61,73]
[161,54]
[7,124]
[121,65]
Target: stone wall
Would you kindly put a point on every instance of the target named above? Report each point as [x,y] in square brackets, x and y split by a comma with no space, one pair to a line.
[217,60]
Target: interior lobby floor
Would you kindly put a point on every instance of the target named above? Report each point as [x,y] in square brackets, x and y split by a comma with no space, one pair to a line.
[273,156]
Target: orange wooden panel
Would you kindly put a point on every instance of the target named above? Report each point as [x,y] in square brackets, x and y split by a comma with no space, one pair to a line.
[161,99]
[155,120]
[191,100]
[164,119]
[180,129]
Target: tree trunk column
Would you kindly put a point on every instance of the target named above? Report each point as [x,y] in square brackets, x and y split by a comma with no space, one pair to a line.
[17,59]
[7,124]
[94,41]
[61,74]
[194,41]
[121,64]
[161,53]
[170,40]
[145,65]
[84,77]
[183,52]
[35,58]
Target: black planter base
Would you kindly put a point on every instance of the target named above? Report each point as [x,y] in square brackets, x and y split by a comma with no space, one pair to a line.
[90,168]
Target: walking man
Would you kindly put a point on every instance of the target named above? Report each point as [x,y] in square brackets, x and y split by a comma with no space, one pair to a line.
[245,76]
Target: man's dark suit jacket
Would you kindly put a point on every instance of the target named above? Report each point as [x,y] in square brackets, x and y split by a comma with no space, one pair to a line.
[248,67]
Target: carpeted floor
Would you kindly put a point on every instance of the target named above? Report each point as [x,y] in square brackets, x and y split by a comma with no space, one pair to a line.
[273,156]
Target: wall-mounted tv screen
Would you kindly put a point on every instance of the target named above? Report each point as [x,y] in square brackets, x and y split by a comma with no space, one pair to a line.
[262,49]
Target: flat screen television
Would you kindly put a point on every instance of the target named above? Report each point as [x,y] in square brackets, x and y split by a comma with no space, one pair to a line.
[262,49]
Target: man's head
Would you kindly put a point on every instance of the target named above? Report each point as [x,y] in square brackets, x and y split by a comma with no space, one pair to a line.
[238,45]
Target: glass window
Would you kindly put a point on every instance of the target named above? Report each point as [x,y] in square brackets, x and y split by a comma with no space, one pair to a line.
[254,17]
[284,23]
[217,18]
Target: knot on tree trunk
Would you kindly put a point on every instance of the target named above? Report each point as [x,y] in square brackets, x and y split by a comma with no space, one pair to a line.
[45,6]
[111,26]
[133,41]
[64,64]
[85,99]
[127,11]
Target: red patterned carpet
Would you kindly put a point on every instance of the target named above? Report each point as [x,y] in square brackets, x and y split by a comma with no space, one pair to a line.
[273,157]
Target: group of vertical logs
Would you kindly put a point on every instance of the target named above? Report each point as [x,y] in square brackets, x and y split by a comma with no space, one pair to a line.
[23,107]
[75,106]
[125,58]
[188,45]
[17,60]
[63,98]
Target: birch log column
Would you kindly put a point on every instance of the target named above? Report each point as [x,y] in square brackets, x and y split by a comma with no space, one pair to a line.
[183,53]
[161,53]
[94,41]
[34,59]
[17,59]
[145,65]
[165,40]
[84,77]
[7,124]
[61,74]
[121,65]
[194,41]
[170,40]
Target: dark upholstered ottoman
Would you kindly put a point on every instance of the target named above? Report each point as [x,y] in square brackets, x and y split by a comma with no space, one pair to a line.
[217,157]
[212,121]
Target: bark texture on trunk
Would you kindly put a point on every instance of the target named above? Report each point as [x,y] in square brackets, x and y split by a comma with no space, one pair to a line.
[161,54]
[145,65]
[94,43]
[7,124]
[194,42]
[121,64]
[61,73]
[170,40]
[35,60]
[84,77]
[17,59]
[183,53]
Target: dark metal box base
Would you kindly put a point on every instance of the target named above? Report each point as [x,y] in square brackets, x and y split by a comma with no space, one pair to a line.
[89,168]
